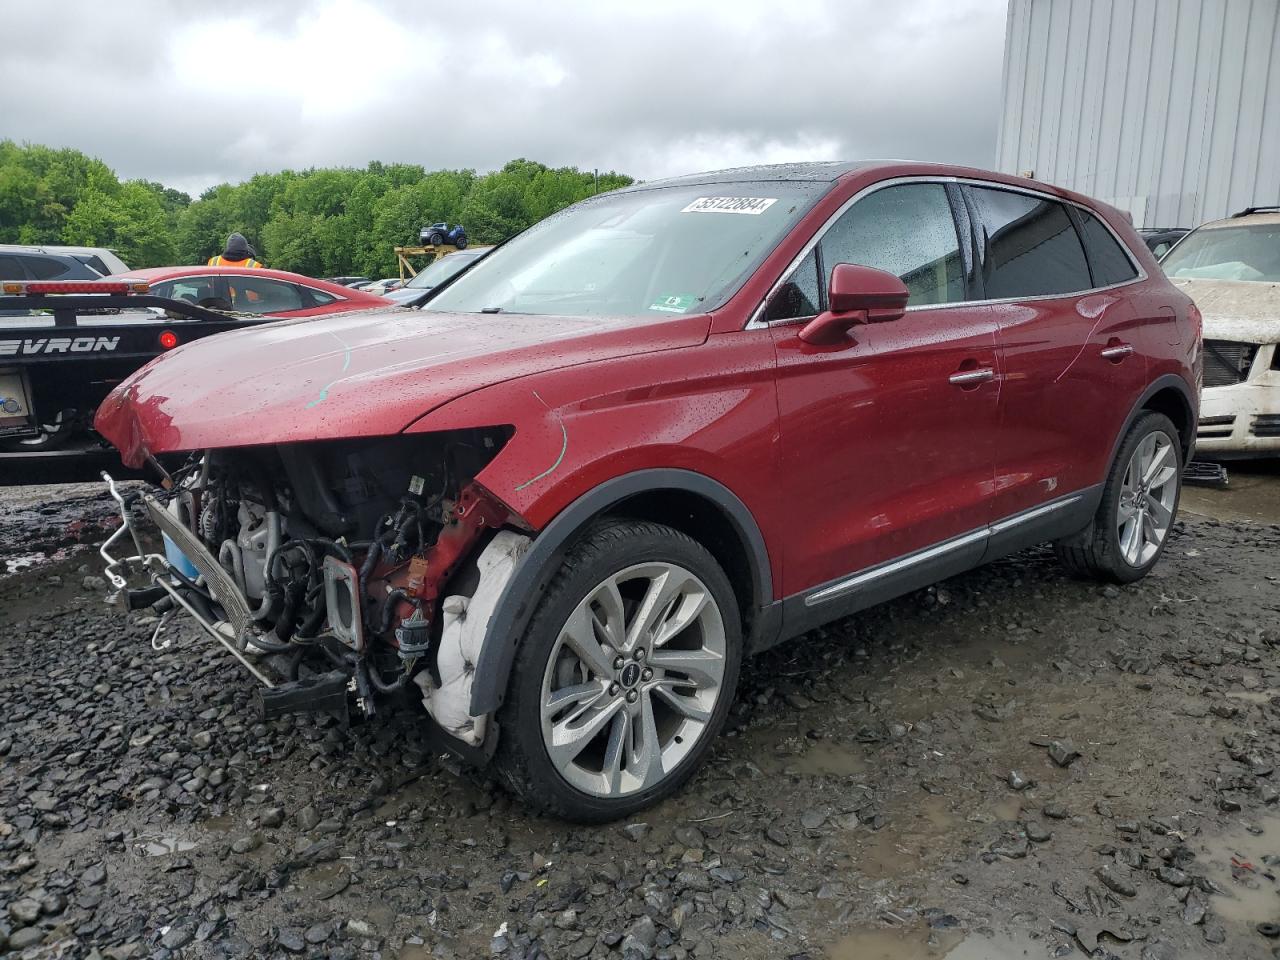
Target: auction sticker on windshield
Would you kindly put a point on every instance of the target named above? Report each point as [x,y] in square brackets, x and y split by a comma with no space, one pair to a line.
[750,205]
[673,304]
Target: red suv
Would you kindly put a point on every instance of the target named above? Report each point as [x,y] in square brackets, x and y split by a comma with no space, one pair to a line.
[665,428]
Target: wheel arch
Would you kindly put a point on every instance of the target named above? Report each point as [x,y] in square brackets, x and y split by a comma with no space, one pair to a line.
[691,502]
[1173,396]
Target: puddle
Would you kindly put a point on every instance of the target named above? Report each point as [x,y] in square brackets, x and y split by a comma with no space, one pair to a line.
[22,562]
[932,945]
[1254,696]
[907,843]
[1253,897]
[792,752]
[163,846]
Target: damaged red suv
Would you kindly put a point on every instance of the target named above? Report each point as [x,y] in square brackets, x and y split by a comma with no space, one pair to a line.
[663,429]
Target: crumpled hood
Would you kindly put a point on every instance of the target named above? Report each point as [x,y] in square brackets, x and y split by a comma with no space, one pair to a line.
[353,375]
[1246,310]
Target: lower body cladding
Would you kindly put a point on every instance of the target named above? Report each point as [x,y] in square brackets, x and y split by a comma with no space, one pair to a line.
[344,575]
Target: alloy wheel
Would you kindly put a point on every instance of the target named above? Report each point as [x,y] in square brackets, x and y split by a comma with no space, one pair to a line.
[633,679]
[1147,499]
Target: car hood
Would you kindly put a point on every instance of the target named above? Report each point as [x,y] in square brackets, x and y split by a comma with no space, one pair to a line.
[353,375]
[1246,310]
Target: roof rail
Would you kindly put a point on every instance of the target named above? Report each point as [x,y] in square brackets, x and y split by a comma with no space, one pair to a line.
[1262,209]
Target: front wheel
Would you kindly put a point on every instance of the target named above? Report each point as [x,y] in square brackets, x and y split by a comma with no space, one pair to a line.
[1139,504]
[460,242]
[624,677]
[436,239]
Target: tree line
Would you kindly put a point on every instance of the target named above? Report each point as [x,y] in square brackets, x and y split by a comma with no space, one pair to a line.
[320,222]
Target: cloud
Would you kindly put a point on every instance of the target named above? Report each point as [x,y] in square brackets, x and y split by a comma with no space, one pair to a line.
[192,94]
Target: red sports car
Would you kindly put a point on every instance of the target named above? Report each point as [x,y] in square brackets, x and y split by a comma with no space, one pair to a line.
[261,292]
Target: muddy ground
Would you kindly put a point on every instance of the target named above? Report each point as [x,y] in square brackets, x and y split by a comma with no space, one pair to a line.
[1011,764]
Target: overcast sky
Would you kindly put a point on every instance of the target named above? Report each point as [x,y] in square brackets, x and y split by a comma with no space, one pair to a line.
[195,93]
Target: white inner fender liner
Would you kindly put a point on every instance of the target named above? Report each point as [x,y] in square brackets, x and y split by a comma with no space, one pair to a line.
[465,622]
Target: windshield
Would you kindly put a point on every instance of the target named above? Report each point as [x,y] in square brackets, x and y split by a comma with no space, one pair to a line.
[1246,252]
[668,250]
[437,273]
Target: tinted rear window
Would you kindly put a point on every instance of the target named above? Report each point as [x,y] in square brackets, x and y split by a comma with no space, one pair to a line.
[1030,246]
[45,268]
[1107,258]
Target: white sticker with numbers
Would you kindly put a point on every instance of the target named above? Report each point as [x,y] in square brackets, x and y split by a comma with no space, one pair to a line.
[749,205]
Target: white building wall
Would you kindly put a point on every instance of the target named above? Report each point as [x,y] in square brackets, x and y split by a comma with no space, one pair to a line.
[1169,109]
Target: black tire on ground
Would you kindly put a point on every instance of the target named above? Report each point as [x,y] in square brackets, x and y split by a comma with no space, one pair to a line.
[436,239]
[461,243]
[608,546]
[1095,552]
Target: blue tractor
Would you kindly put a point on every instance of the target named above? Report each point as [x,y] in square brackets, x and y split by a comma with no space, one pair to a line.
[439,234]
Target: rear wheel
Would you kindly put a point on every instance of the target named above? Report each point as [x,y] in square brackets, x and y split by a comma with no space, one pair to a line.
[436,239]
[1139,504]
[624,677]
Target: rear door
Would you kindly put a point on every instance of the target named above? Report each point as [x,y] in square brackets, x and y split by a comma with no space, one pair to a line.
[1068,344]
[888,441]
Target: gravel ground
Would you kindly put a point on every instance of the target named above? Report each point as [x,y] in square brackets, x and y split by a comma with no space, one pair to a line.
[1011,764]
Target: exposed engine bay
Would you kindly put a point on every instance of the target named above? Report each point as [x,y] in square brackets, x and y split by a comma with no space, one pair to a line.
[360,569]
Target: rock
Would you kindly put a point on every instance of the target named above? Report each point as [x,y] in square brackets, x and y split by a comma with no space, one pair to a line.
[318,933]
[1173,876]
[94,875]
[775,834]
[272,817]
[1017,781]
[360,928]
[1214,933]
[93,583]
[1063,753]
[24,912]
[1056,811]
[307,818]
[26,937]
[1012,846]
[1115,882]
[291,941]
[202,740]
[812,819]
[640,938]
[176,937]
[636,832]
[1037,832]
[246,844]
[1194,908]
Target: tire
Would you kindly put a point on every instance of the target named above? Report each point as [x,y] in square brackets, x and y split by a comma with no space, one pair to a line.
[460,243]
[436,240]
[659,720]
[1102,551]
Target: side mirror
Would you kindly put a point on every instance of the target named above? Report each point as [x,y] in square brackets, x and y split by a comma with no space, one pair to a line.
[856,295]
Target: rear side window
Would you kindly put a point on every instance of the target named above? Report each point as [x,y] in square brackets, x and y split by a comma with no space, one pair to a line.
[1029,246]
[1107,258]
[43,268]
[94,263]
[319,298]
[11,269]
[908,231]
[263,295]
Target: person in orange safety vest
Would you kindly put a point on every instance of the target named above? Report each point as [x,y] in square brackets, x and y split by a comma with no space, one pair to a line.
[237,254]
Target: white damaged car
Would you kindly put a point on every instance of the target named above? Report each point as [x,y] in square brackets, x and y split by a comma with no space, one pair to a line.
[1231,269]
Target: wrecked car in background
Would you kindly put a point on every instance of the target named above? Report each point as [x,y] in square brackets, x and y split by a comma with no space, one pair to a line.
[1231,269]
[664,428]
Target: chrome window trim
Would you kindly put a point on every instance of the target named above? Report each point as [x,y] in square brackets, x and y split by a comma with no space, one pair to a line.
[756,323]
[849,584]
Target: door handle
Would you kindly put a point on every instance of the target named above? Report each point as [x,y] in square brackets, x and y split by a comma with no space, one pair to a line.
[1117,351]
[968,377]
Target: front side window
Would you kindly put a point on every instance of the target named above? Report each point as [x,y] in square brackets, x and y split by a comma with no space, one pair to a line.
[1241,252]
[1029,246]
[198,290]
[906,230]
[677,250]
[799,297]
[262,295]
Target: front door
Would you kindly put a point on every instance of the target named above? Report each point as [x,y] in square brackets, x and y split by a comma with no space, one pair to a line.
[888,441]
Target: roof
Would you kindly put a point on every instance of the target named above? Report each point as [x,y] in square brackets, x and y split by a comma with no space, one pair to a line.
[1243,220]
[157,274]
[821,172]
